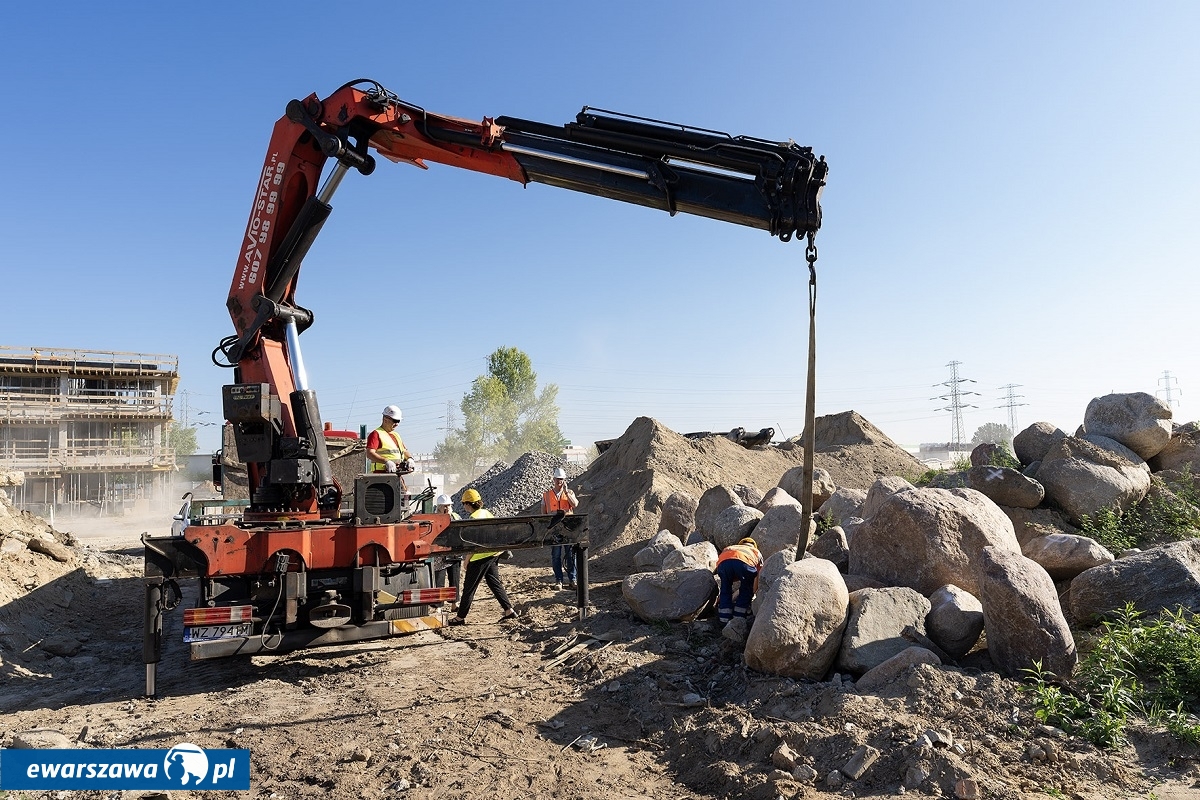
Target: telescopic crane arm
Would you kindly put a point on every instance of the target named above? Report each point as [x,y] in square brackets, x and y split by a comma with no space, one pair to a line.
[773,186]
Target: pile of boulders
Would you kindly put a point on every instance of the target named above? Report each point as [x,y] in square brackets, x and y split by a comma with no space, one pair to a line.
[516,489]
[904,575]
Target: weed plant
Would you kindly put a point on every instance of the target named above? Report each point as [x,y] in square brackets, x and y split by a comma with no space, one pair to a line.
[1132,668]
[1159,518]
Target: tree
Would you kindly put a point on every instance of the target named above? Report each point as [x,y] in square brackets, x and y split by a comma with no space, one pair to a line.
[504,416]
[993,432]
[184,442]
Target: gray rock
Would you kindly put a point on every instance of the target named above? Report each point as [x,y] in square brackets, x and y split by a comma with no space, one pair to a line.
[1034,442]
[983,454]
[656,550]
[779,529]
[1006,487]
[832,546]
[59,645]
[1030,523]
[670,596]
[1065,555]
[798,631]
[896,666]
[774,566]
[874,626]
[1083,479]
[776,497]
[1155,579]
[792,482]
[748,494]
[856,582]
[1116,448]
[1138,420]
[679,514]
[701,555]
[955,620]
[736,630]
[711,504]
[860,762]
[880,491]
[842,505]
[927,538]
[1181,450]
[733,524]
[1022,616]
[51,548]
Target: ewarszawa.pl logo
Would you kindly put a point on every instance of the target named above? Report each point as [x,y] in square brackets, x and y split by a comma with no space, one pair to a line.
[184,766]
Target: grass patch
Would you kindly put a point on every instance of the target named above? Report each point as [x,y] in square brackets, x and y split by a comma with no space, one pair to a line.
[1133,667]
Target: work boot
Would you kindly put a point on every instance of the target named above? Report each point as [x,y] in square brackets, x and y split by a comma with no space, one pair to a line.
[558,587]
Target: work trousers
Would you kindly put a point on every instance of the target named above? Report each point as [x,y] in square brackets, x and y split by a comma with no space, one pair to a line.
[479,570]
[559,554]
[733,571]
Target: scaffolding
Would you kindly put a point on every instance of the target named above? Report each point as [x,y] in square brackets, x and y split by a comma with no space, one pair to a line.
[90,429]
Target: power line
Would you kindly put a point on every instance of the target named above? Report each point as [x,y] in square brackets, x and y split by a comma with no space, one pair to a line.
[1010,402]
[957,404]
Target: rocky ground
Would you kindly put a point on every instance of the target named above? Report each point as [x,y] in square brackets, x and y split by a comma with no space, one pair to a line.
[547,706]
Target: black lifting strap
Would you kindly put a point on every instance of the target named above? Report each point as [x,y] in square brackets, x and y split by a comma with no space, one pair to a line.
[806,500]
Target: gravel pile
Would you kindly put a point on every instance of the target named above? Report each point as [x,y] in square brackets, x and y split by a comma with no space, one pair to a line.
[509,491]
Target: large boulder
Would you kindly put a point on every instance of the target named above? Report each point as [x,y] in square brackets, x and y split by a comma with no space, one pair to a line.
[1113,446]
[843,504]
[776,496]
[881,490]
[832,546]
[955,620]
[1138,420]
[926,538]
[734,523]
[823,486]
[773,569]
[875,625]
[1182,450]
[1065,555]
[894,667]
[1158,578]
[671,595]
[1034,442]
[701,555]
[711,504]
[651,556]
[798,630]
[779,529]
[1082,479]
[1006,487]
[678,515]
[1030,523]
[1022,616]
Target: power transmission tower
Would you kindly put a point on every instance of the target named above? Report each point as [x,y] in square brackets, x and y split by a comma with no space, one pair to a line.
[1010,402]
[957,404]
[1166,391]
[451,420]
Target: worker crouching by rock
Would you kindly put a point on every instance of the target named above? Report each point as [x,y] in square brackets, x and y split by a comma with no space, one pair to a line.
[481,567]
[739,563]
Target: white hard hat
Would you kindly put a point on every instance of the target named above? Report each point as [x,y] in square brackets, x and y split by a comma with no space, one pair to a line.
[442,500]
[560,473]
[392,412]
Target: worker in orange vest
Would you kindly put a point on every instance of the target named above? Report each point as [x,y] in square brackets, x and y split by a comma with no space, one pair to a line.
[559,498]
[739,563]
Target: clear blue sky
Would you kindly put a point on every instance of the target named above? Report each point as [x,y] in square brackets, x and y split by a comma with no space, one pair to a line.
[1013,186]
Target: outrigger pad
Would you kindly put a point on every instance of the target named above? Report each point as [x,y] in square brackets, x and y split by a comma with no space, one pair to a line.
[515,533]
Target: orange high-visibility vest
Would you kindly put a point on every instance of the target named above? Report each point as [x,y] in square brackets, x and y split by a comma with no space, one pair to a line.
[742,552]
[552,502]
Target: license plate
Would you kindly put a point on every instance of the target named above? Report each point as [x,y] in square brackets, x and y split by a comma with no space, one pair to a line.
[209,632]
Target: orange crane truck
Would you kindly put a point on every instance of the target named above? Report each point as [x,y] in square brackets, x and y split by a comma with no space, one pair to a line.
[301,567]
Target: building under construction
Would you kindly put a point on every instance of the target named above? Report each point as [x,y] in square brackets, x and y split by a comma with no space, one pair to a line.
[88,428]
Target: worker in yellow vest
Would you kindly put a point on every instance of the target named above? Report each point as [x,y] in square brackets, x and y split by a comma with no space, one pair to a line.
[385,448]
[739,563]
[481,567]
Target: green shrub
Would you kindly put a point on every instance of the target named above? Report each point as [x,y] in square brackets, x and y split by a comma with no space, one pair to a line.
[1151,668]
[1161,517]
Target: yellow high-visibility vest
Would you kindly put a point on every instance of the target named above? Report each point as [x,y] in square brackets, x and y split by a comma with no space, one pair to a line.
[393,452]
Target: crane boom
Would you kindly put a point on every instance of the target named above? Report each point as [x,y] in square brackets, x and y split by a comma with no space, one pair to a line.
[772,186]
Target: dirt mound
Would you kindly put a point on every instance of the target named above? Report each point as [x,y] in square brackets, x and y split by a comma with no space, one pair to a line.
[30,525]
[623,491]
